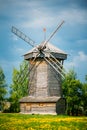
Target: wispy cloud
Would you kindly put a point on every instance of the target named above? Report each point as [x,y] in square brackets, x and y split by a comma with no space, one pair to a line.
[77,61]
[41,18]
[74,16]
[79,64]
[14,37]
[33,14]
[82,42]
[30,16]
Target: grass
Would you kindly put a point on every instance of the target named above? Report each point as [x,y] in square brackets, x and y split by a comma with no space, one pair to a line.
[18,121]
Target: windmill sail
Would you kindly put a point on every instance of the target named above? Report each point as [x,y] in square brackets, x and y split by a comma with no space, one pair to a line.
[22,75]
[44,83]
[56,64]
[55,67]
[23,36]
[52,34]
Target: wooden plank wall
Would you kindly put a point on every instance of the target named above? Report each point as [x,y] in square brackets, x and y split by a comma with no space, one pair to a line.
[37,108]
[54,82]
[41,84]
[44,80]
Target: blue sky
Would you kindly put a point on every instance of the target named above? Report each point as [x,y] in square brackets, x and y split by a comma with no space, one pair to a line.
[31,16]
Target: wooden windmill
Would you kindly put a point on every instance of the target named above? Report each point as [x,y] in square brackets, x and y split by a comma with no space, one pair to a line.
[45,73]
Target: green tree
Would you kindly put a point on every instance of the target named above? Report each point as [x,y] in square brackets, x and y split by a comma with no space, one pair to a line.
[86,78]
[72,91]
[84,96]
[19,87]
[3,88]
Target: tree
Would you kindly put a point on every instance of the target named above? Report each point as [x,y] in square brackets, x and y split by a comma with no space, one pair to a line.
[3,89]
[85,77]
[72,91]
[84,96]
[19,87]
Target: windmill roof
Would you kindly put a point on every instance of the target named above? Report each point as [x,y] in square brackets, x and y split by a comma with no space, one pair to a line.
[58,53]
[50,47]
[39,99]
[54,49]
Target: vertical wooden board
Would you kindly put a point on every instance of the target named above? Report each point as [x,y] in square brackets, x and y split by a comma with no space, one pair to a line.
[54,82]
[23,107]
[44,80]
[43,107]
[32,78]
[41,86]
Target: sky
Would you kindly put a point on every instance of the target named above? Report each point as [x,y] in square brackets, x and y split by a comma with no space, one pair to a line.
[30,17]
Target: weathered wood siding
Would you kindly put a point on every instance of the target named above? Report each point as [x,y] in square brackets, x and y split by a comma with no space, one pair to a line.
[37,108]
[44,80]
[32,78]
[42,84]
[54,82]
[38,78]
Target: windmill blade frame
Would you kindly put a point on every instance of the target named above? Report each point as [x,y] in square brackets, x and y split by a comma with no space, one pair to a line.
[19,78]
[61,66]
[23,36]
[52,34]
[54,67]
[55,64]
[40,50]
[55,61]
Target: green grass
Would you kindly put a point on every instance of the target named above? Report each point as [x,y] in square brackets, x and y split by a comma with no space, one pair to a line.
[17,121]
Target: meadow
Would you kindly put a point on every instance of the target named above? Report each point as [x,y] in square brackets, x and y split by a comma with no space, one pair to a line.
[17,121]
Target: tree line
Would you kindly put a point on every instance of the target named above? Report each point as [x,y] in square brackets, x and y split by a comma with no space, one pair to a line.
[74,91]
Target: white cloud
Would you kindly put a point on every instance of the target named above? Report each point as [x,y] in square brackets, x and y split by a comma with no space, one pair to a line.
[41,18]
[82,57]
[14,37]
[35,14]
[42,21]
[79,64]
[19,50]
[73,16]
[82,42]
[78,60]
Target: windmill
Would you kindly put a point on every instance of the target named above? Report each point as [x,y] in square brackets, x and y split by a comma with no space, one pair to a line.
[45,74]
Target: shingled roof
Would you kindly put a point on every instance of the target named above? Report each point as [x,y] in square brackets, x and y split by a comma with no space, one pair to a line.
[39,99]
[49,48]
